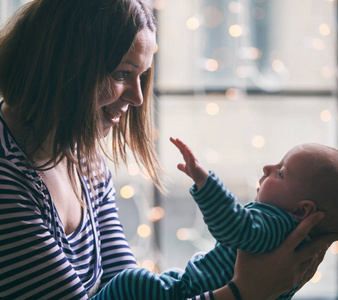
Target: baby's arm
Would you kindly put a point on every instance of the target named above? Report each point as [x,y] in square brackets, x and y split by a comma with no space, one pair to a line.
[192,166]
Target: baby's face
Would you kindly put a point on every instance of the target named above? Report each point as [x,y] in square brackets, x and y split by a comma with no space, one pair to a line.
[284,184]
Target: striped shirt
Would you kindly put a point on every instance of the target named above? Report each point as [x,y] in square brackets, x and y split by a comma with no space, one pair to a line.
[37,259]
[255,228]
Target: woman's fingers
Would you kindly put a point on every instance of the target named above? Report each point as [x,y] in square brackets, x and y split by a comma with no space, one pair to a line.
[302,230]
[317,246]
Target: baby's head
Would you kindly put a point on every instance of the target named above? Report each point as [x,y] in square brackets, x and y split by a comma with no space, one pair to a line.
[306,180]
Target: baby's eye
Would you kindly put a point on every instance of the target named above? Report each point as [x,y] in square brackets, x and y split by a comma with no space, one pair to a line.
[280,174]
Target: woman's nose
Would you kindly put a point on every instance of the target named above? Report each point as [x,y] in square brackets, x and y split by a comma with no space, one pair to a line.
[133,94]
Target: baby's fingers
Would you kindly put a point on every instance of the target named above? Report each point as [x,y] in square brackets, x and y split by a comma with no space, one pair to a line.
[180,145]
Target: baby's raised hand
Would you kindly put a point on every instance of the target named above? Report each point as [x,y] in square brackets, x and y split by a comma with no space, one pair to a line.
[192,167]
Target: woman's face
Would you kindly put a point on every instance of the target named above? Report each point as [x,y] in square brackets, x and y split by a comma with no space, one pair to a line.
[124,85]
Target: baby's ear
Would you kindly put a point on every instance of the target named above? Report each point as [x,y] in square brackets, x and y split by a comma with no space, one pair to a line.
[304,209]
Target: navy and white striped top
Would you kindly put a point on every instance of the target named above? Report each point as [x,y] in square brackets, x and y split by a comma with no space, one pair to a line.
[37,259]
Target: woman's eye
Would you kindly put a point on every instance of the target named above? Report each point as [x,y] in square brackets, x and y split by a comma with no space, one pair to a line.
[280,174]
[120,75]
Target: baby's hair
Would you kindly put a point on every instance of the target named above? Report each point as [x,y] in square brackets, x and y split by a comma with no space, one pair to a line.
[323,182]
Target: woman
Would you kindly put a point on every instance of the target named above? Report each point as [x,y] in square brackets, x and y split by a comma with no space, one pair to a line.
[69,71]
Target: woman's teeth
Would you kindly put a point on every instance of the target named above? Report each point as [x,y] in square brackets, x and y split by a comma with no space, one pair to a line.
[112,114]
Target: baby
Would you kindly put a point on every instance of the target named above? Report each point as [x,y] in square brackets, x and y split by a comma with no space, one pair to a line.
[304,181]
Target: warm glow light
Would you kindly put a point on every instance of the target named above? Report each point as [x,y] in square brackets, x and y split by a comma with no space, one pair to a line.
[156,213]
[235,30]
[325,115]
[324,29]
[182,234]
[212,108]
[148,264]
[278,66]
[334,248]
[231,94]
[258,141]
[317,277]
[254,53]
[211,65]
[127,192]
[156,48]
[192,23]
[143,230]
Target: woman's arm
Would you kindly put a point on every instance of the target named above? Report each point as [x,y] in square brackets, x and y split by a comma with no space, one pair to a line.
[31,262]
[266,276]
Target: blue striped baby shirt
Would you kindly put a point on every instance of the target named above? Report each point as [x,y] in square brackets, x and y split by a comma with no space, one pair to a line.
[254,227]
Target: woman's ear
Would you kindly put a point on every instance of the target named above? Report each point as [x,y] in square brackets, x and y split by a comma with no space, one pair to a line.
[304,209]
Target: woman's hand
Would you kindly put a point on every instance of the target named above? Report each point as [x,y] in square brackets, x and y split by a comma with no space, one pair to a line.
[268,275]
[279,270]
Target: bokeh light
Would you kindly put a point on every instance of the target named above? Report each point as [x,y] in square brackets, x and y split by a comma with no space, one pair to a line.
[278,66]
[143,230]
[334,248]
[211,65]
[148,264]
[325,115]
[156,213]
[258,141]
[235,30]
[127,192]
[183,234]
[324,29]
[231,94]
[212,108]
[193,23]
[317,277]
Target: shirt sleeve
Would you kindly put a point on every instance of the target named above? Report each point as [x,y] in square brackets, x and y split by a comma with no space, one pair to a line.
[142,284]
[115,250]
[32,264]
[256,228]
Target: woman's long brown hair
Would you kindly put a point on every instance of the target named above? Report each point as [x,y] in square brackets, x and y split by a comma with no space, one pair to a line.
[55,56]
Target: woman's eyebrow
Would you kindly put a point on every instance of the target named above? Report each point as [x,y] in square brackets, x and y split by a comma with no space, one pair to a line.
[131,63]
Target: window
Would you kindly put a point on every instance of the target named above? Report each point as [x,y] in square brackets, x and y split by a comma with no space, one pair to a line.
[241,82]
